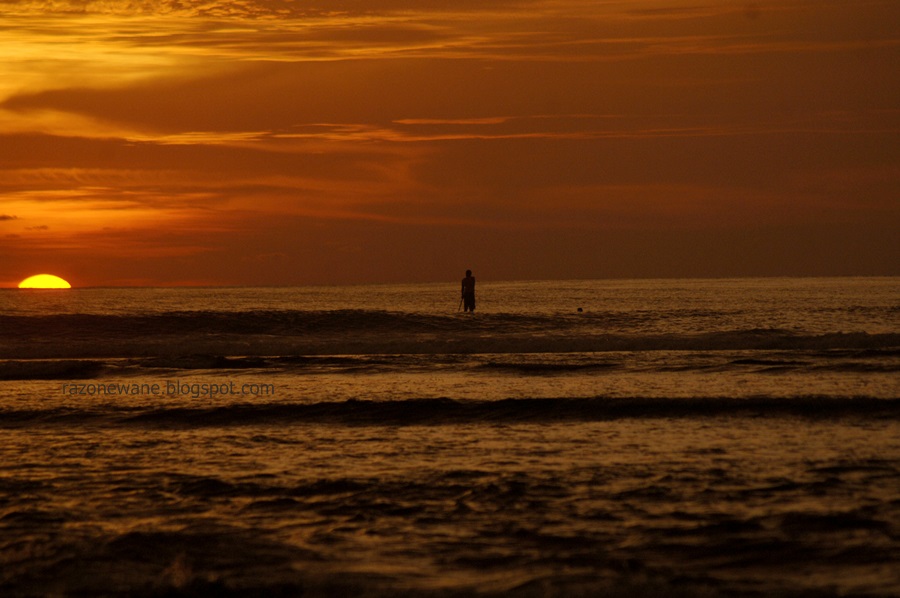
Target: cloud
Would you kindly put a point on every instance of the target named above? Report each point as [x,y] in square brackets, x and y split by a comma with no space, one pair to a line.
[241,8]
[250,130]
[265,258]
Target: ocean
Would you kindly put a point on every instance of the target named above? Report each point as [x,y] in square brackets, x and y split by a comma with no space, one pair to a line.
[708,438]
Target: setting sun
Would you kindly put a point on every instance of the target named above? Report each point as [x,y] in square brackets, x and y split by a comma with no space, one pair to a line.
[44,281]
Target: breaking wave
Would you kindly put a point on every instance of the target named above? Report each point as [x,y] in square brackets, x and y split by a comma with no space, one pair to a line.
[347,332]
[449,411]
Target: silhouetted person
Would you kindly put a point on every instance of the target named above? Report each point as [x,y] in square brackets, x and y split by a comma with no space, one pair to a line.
[468,291]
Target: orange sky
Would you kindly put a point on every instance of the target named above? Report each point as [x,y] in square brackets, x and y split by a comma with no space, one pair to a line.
[343,141]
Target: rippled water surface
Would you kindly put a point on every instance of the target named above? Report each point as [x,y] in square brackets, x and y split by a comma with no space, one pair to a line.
[714,438]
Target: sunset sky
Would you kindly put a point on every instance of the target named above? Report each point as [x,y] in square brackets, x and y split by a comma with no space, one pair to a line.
[280,142]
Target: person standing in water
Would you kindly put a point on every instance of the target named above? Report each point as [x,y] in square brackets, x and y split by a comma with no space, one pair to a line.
[468,292]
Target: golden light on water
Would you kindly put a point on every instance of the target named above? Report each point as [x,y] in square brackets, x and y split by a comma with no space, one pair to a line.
[44,281]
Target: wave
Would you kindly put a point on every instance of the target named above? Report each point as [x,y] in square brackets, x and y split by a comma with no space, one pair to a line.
[500,363]
[251,322]
[357,332]
[51,369]
[446,411]
[339,322]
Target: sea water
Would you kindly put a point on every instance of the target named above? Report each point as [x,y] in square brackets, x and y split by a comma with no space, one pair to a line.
[656,437]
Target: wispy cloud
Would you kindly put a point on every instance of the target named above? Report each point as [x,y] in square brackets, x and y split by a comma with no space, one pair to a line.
[198,127]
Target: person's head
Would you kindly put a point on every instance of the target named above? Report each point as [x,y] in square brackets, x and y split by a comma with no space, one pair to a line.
[468,273]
